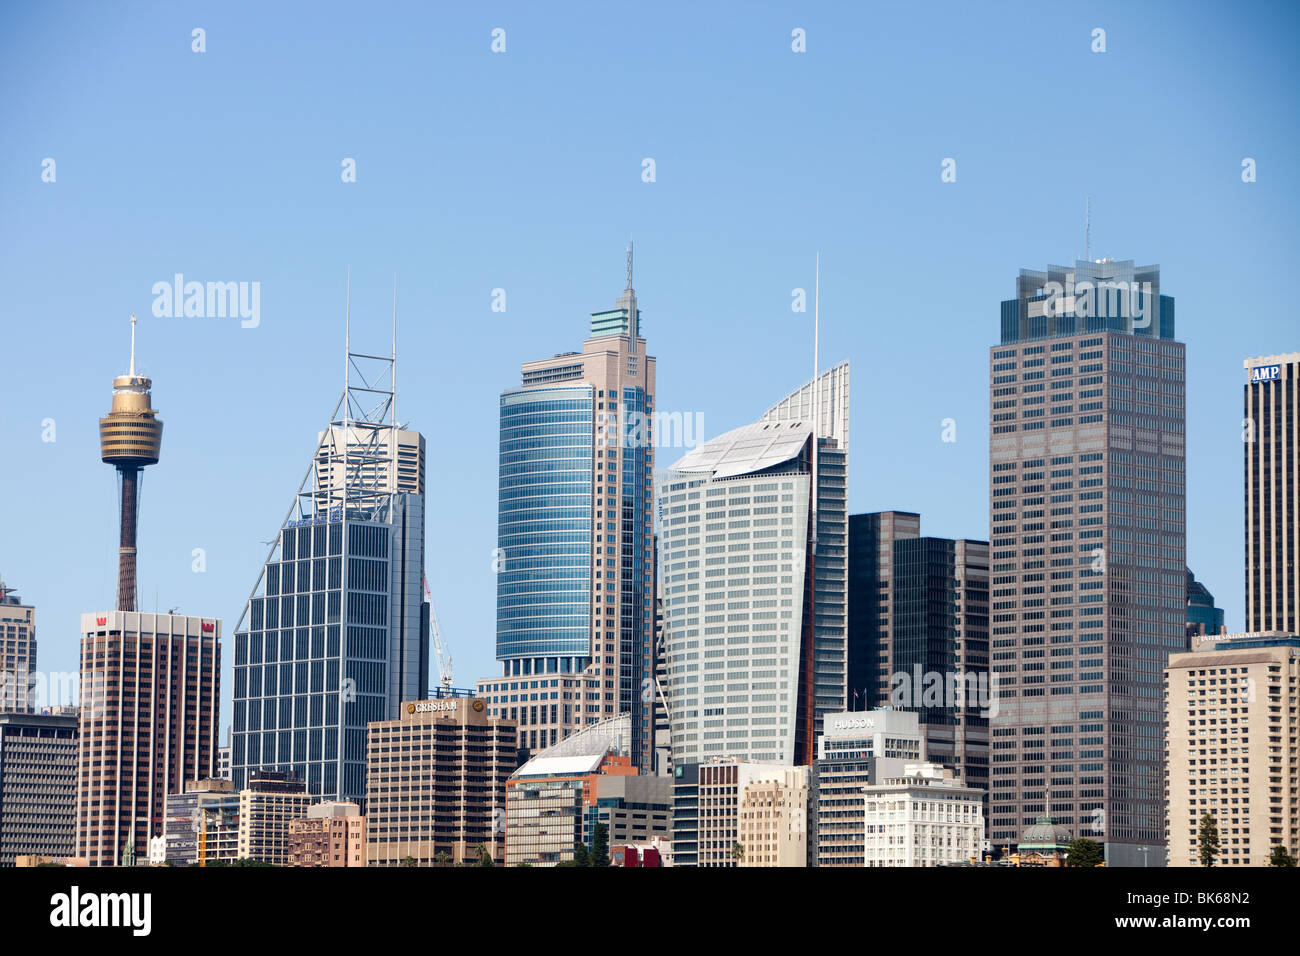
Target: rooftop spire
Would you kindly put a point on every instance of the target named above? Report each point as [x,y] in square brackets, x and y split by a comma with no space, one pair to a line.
[133,321]
[629,265]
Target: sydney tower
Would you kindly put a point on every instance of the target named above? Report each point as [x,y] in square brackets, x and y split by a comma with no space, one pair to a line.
[130,437]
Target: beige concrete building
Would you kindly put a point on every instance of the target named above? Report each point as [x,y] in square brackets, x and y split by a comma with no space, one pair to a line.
[332,834]
[773,825]
[723,787]
[1272,452]
[1231,748]
[270,802]
[390,458]
[436,781]
[924,818]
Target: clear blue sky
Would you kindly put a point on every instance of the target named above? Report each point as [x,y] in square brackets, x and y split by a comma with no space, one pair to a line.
[522,171]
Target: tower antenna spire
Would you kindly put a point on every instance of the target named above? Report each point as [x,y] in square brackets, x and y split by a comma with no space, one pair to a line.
[629,263]
[1087,229]
[133,321]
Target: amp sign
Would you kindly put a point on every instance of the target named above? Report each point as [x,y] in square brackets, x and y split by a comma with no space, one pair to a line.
[1265,373]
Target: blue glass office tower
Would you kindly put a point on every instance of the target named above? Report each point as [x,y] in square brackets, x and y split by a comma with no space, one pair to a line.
[574,558]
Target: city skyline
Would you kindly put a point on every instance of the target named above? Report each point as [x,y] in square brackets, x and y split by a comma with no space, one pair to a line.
[880,300]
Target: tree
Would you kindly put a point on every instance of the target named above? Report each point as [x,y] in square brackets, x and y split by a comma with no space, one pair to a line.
[737,852]
[409,861]
[581,857]
[600,845]
[1084,852]
[484,857]
[1209,839]
[1281,857]
[442,858]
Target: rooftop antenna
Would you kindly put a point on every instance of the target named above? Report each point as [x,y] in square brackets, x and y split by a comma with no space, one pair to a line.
[133,321]
[393,382]
[629,263]
[1087,229]
[816,405]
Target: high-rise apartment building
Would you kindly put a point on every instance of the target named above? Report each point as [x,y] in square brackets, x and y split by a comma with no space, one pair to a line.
[17,652]
[150,689]
[436,780]
[336,632]
[754,566]
[1087,541]
[1231,746]
[919,635]
[1271,433]
[574,559]
[38,785]
[271,801]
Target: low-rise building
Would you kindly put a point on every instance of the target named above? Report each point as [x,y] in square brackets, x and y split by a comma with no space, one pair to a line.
[923,818]
[558,798]
[202,825]
[332,834]
[721,793]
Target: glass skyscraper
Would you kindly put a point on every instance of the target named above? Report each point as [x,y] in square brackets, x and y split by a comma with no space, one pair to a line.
[336,632]
[754,583]
[574,558]
[1087,542]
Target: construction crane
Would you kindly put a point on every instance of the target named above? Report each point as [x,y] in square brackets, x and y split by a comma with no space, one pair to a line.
[444,657]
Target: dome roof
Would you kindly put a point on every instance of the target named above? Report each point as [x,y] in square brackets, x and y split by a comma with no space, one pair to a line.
[1045,833]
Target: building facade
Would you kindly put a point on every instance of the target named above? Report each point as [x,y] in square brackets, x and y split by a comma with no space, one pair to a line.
[1088,551]
[435,782]
[332,835]
[919,626]
[336,632]
[855,749]
[773,825]
[557,799]
[38,785]
[271,801]
[17,652]
[150,691]
[1231,744]
[574,559]
[202,824]
[754,581]
[923,818]
[1271,427]
[778,799]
